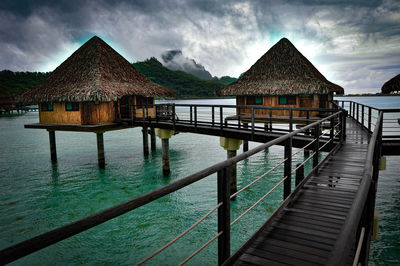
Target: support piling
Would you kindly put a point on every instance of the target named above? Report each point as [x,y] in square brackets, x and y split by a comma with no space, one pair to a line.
[100,150]
[145,141]
[53,150]
[152,139]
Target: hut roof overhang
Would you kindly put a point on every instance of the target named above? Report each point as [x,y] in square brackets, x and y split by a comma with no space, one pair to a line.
[282,70]
[94,72]
[392,85]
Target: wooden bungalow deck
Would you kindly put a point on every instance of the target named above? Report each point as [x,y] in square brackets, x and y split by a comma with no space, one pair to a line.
[305,231]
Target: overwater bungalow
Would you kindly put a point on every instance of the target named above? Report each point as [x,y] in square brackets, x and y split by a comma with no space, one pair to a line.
[282,77]
[94,86]
[7,102]
[392,86]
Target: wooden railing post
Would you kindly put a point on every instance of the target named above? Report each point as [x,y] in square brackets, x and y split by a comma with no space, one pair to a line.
[316,148]
[270,119]
[239,123]
[173,116]
[332,132]
[369,118]
[299,174]
[358,112]
[362,115]
[224,219]
[290,120]
[191,115]
[288,168]
[252,121]
[195,116]
[344,115]
[213,116]
[221,117]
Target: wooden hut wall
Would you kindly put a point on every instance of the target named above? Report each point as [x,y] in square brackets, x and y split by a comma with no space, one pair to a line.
[59,115]
[94,114]
[273,101]
[151,110]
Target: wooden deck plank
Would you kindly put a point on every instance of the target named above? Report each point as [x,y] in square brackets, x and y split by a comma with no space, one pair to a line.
[286,251]
[294,246]
[278,257]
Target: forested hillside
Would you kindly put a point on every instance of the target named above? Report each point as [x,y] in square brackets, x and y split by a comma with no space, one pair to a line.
[16,82]
[185,85]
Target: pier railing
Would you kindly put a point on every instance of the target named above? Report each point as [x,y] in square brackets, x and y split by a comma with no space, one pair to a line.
[367,116]
[248,117]
[353,240]
[332,126]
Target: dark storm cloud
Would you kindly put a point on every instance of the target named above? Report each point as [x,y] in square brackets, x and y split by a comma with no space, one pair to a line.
[350,42]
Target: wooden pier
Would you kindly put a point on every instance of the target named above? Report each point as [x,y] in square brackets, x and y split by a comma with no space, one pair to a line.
[326,220]
[307,227]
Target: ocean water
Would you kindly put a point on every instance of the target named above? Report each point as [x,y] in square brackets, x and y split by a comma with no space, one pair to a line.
[37,195]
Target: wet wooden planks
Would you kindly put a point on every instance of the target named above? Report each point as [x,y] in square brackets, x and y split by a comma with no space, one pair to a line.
[305,232]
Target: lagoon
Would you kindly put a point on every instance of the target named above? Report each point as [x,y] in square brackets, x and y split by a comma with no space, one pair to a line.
[37,196]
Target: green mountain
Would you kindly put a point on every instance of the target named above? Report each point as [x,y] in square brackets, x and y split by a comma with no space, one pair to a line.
[16,82]
[185,85]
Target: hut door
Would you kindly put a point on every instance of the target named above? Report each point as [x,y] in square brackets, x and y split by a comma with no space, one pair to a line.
[323,101]
[124,107]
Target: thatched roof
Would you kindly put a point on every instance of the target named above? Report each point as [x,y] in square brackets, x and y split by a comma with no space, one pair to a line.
[94,72]
[283,70]
[392,85]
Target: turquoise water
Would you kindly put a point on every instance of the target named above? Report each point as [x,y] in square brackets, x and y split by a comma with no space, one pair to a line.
[37,196]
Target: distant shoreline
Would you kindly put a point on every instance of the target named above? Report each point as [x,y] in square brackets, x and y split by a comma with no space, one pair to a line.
[368,95]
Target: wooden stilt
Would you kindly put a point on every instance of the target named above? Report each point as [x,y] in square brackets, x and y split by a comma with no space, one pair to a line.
[145,141]
[153,139]
[165,156]
[53,150]
[233,172]
[245,142]
[100,150]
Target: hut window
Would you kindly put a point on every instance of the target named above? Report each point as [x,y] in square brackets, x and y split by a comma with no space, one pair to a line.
[70,106]
[307,96]
[254,100]
[143,101]
[287,100]
[48,107]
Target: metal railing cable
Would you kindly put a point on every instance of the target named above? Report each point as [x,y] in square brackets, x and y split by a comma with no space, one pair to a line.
[180,235]
[258,201]
[306,160]
[258,179]
[359,246]
[201,248]
[320,148]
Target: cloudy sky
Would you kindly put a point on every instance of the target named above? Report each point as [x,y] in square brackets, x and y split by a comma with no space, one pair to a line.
[355,44]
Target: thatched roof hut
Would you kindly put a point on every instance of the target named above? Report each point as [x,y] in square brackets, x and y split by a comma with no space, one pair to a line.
[283,70]
[94,72]
[392,85]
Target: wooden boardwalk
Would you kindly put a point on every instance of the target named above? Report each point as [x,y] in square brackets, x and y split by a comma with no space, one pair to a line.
[305,231]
